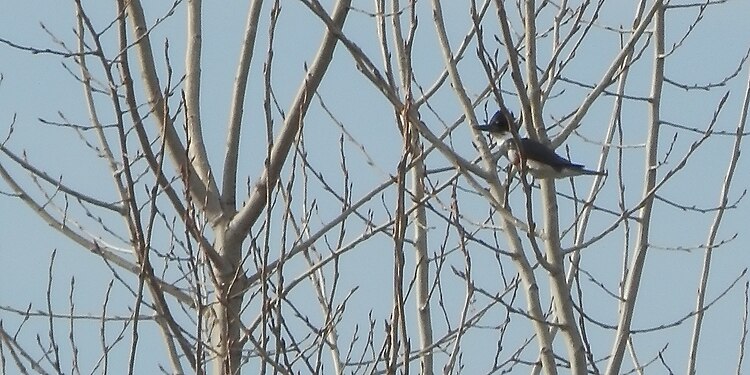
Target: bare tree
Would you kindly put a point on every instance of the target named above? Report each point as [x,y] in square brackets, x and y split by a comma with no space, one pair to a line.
[380,231]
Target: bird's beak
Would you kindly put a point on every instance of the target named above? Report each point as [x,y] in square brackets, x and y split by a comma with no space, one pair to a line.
[484,127]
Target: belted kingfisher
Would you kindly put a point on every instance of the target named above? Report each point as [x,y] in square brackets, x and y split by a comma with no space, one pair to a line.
[541,161]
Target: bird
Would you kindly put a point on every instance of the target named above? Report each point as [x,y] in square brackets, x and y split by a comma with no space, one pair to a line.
[541,161]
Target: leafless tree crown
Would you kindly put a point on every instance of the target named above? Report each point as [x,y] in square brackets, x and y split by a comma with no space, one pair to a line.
[309,194]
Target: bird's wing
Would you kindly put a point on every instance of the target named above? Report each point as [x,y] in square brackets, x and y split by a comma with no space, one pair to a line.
[534,150]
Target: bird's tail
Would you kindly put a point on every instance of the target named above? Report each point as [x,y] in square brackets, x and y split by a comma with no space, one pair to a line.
[593,173]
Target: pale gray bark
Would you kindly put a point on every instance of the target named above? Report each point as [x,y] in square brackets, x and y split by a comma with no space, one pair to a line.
[445,262]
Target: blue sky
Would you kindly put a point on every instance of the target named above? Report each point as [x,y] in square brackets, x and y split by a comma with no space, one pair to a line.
[38,86]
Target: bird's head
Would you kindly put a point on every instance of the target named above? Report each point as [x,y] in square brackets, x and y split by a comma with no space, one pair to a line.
[498,125]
